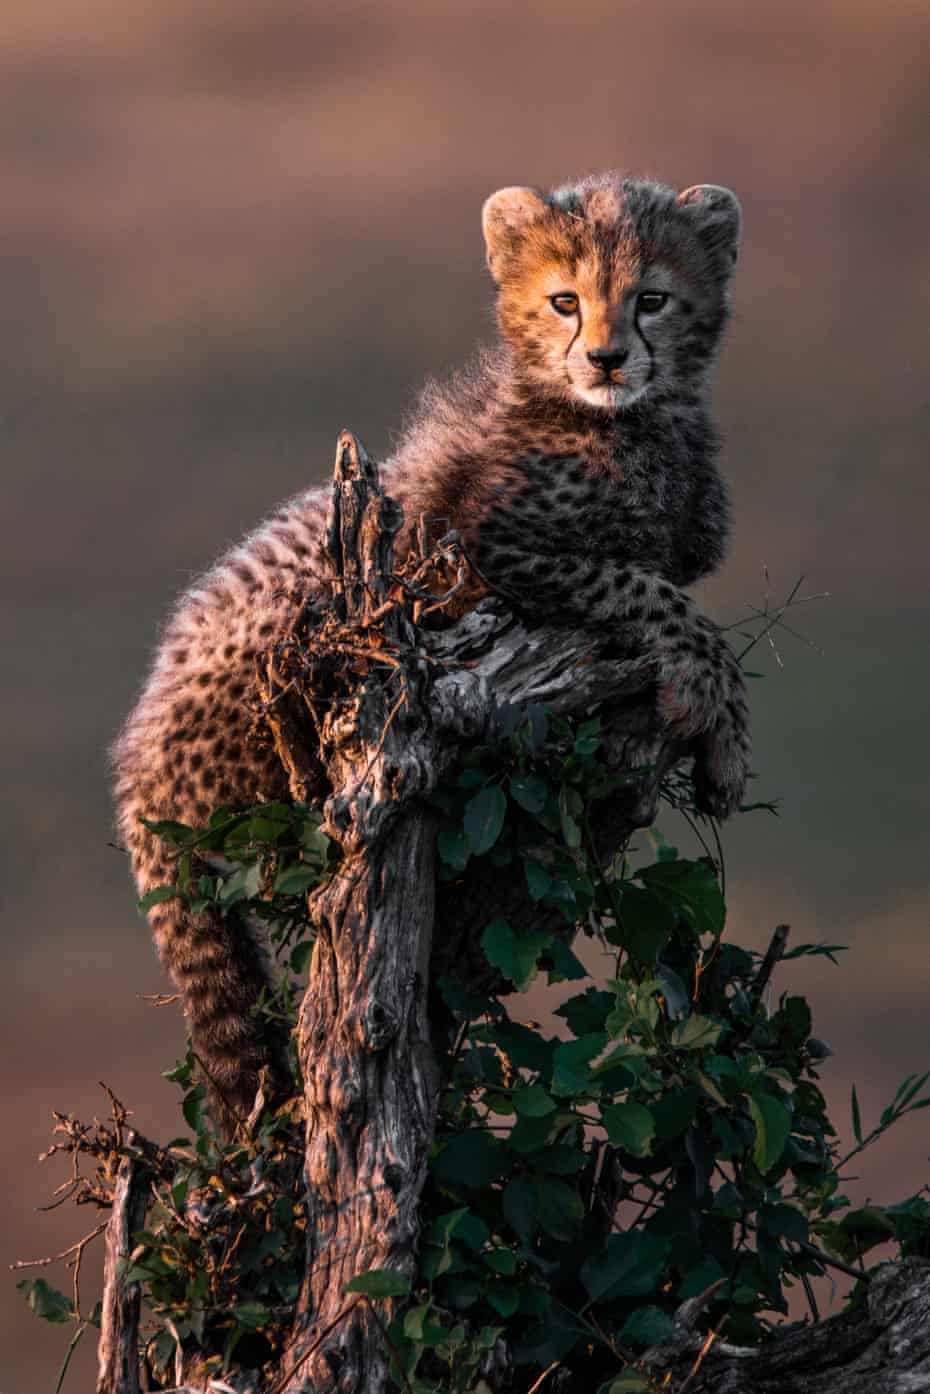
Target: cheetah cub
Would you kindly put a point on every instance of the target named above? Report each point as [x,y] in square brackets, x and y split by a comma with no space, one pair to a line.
[576,458]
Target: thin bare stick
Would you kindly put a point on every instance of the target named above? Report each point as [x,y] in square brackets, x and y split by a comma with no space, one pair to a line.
[65,1253]
[537,1383]
[389,1343]
[709,1341]
[330,1326]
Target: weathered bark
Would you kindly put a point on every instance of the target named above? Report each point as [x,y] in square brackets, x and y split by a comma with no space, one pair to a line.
[883,1347]
[369,1079]
[118,1349]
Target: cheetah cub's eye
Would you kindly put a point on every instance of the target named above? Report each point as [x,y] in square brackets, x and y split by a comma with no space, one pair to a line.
[565,303]
[650,302]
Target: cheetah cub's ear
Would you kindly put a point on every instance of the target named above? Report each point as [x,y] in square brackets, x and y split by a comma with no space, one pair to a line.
[504,217]
[718,214]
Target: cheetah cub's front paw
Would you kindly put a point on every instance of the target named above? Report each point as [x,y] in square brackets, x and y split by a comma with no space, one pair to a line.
[721,769]
[701,698]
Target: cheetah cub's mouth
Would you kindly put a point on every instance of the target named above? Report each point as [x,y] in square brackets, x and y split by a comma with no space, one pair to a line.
[611,390]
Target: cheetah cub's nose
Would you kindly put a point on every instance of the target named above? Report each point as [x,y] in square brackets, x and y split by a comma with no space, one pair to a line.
[607,359]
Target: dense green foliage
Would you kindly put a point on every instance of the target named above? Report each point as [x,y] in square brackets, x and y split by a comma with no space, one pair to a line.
[670,1135]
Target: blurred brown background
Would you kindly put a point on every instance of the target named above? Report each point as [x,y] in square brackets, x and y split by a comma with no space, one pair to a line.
[230,229]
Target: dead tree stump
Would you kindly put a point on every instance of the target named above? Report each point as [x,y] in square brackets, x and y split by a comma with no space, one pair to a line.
[390,705]
[369,1080]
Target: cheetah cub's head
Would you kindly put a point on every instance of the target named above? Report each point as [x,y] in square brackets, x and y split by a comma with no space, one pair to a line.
[612,288]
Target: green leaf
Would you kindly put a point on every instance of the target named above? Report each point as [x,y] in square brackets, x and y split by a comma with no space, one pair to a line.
[552,1339]
[696,1033]
[561,1158]
[700,1278]
[421,1326]
[664,851]
[301,955]
[571,832]
[534,1101]
[294,880]
[785,1222]
[380,1282]
[691,889]
[587,1011]
[453,848]
[631,1127]
[677,1000]
[471,778]
[566,965]
[45,1301]
[824,950]
[156,897]
[856,1118]
[870,1225]
[793,1021]
[570,1072]
[471,1230]
[646,923]
[526,1049]
[169,830]
[516,955]
[474,1158]
[251,1315]
[484,818]
[530,1135]
[520,1204]
[630,1266]
[711,1089]
[503,1297]
[266,829]
[312,836]
[444,1226]
[911,1219]
[674,1111]
[530,792]
[627,1383]
[647,1325]
[538,878]
[773,1125]
[624,1056]
[191,1107]
[560,1208]
[502,1261]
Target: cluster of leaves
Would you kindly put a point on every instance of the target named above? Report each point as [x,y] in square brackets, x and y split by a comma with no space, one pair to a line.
[671,1135]
[220,1258]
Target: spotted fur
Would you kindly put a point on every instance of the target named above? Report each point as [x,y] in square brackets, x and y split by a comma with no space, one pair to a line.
[578,461]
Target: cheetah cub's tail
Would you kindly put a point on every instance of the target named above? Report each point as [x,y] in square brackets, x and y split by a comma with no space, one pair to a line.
[215,961]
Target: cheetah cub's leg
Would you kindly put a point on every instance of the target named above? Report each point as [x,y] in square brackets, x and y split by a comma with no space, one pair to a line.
[701,692]
[701,695]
